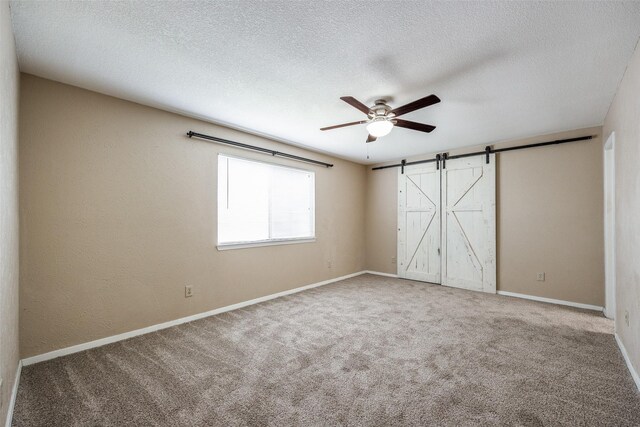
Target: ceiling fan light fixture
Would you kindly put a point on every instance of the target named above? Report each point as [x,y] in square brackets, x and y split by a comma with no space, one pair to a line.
[379,127]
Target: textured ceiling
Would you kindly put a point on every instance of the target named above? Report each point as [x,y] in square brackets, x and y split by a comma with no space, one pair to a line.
[503,70]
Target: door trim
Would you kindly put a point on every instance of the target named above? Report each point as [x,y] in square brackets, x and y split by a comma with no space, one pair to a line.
[609,175]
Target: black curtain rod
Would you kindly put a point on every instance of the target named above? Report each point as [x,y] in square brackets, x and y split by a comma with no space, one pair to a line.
[192,134]
[488,150]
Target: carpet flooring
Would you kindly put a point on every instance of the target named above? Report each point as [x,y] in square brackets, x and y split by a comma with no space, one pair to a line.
[365,351]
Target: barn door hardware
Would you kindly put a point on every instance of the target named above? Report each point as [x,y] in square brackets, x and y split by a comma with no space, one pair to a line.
[438,157]
[486,152]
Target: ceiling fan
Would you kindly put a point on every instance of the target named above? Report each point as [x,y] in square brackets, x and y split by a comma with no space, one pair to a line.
[383,118]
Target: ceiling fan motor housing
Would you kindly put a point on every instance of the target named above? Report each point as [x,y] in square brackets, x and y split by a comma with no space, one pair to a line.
[380,109]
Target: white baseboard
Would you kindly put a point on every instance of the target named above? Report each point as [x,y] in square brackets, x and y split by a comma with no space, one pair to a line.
[115,338]
[552,301]
[378,273]
[14,395]
[623,350]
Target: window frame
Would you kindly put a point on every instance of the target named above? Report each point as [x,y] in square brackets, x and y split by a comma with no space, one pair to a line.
[265,242]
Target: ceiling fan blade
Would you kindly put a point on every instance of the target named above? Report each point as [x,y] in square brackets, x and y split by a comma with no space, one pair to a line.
[371,138]
[416,105]
[344,124]
[355,103]
[413,125]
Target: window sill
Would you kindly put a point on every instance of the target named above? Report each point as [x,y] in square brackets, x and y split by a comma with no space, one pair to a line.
[229,246]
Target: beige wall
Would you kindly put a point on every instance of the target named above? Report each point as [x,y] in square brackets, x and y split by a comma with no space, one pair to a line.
[381,219]
[549,219]
[118,212]
[9,80]
[623,118]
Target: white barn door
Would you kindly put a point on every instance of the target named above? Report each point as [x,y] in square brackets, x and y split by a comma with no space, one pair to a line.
[419,223]
[469,224]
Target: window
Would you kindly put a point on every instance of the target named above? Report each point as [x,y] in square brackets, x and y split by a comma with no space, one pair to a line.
[263,203]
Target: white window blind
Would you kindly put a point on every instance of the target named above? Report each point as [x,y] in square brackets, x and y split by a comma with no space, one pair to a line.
[262,202]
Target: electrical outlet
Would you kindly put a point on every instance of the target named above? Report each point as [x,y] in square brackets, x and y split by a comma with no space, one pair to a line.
[328,263]
[393,260]
[626,317]
[188,291]
[540,277]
